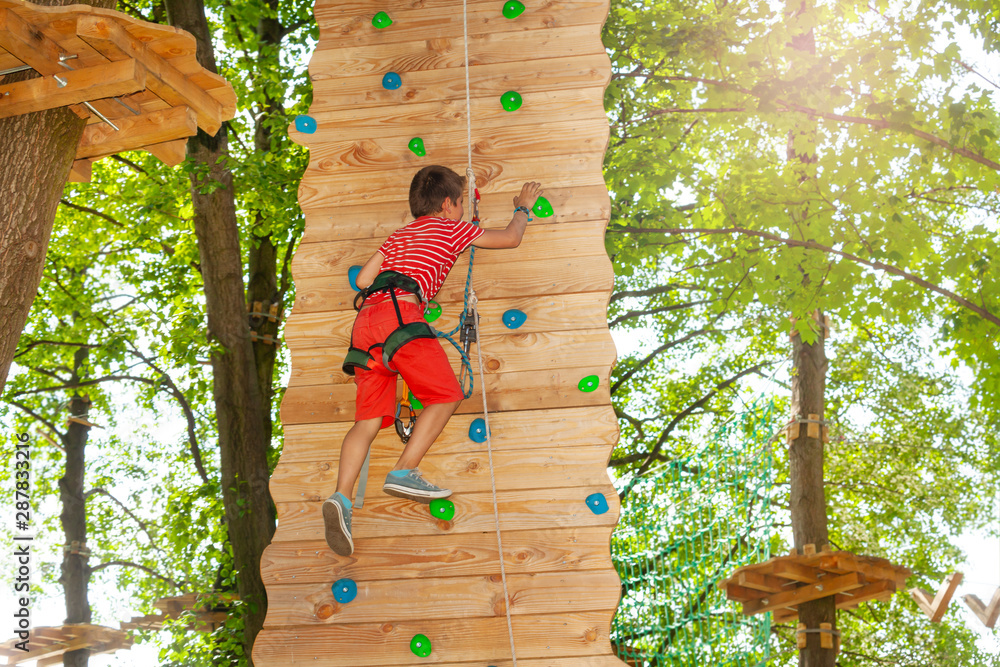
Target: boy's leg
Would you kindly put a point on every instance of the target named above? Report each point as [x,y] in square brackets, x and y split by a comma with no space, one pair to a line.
[431,422]
[357,442]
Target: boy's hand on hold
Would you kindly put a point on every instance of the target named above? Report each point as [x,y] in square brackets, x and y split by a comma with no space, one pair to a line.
[530,192]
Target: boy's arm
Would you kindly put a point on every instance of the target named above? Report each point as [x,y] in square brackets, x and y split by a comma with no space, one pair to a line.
[369,271]
[514,232]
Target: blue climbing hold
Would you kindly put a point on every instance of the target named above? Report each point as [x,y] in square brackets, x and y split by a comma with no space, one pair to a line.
[352,275]
[344,590]
[513,318]
[477,430]
[305,124]
[391,81]
[597,503]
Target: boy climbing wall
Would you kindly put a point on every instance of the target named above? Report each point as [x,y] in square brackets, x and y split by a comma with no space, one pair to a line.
[390,336]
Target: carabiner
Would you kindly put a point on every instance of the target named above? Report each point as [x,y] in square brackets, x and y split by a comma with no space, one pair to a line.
[404,431]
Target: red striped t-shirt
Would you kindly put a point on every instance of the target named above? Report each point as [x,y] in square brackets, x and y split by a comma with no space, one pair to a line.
[425,250]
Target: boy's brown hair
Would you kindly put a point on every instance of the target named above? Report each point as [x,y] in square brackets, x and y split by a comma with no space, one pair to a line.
[431,186]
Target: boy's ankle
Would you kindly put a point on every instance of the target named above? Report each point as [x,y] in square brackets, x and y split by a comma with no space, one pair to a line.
[400,473]
[347,501]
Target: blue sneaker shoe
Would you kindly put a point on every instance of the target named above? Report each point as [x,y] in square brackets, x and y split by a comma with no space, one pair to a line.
[337,520]
[411,485]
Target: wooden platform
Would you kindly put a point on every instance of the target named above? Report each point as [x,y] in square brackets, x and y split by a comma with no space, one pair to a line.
[551,441]
[48,644]
[200,617]
[782,583]
[142,78]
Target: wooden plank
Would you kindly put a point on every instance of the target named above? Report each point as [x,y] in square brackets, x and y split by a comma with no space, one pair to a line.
[607,660]
[8,61]
[110,80]
[555,313]
[935,608]
[385,516]
[447,53]
[505,353]
[443,52]
[360,158]
[510,431]
[524,279]
[878,590]
[739,593]
[566,466]
[421,556]
[805,593]
[19,38]
[108,37]
[790,569]
[581,105]
[332,92]
[320,187]
[349,24]
[505,391]
[762,582]
[81,171]
[378,220]
[170,153]
[391,600]
[480,640]
[541,241]
[987,614]
[137,131]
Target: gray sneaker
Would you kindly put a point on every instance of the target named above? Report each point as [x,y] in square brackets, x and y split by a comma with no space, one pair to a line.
[413,486]
[337,519]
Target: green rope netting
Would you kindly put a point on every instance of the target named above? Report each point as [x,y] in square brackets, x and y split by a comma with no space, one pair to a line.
[685,527]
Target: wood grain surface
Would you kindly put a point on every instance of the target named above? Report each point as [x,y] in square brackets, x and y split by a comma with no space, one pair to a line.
[550,441]
[453,640]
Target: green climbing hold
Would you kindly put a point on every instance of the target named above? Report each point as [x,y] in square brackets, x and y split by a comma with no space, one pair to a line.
[433,311]
[542,208]
[381,20]
[511,100]
[443,509]
[417,146]
[589,383]
[420,645]
[513,8]
[417,405]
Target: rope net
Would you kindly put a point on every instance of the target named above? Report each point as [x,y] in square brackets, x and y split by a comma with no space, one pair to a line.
[683,528]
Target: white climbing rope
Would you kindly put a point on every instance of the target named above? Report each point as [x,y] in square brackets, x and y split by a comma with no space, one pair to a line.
[468,96]
[493,481]
[473,302]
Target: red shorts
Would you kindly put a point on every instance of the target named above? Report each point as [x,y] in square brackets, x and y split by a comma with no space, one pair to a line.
[422,363]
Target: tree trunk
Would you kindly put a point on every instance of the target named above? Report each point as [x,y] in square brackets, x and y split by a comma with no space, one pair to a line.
[808,499]
[805,454]
[36,153]
[75,577]
[263,254]
[239,406]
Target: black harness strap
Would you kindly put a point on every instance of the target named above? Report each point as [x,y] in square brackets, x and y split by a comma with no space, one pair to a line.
[388,281]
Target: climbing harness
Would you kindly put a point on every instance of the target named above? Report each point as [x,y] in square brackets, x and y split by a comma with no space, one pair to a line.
[388,281]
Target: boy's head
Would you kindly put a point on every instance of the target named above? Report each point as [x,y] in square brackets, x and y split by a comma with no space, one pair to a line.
[431,186]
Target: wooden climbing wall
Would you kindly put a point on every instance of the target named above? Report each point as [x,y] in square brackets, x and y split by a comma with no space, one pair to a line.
[551,441]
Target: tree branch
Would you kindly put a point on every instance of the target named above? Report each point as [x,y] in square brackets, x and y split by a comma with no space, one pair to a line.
[663,348]
[663,309]
[149,571]
[652,291]
[142,524]
[683,414]
[813,245]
